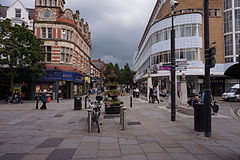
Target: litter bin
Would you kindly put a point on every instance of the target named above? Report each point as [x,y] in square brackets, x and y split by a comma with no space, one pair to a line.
[77,103]
[137,94]
[198,117]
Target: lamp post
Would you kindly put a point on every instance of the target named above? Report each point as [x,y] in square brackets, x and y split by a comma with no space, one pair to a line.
[173,63]
[207,99]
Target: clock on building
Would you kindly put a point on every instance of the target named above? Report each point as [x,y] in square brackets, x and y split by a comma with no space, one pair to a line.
[47,13]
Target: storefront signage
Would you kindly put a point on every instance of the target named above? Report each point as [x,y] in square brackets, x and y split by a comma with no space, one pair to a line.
[66,76]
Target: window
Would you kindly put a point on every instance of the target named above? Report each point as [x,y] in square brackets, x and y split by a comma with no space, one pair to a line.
[229,60]
[237,19]
[194,30]
[50,33]
[18,13]
[62,54]
[227,4]
[45,2]
[182,31]
[50,2]
[55,1]
[48,53]
[227,21]
[188,31]
[44,33]
[40,2]
[228,43]
[217,12]
[68,35]
[237,41]
[236,3]
[63,33]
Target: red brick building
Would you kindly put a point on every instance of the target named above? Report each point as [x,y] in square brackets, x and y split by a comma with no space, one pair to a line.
[67,42]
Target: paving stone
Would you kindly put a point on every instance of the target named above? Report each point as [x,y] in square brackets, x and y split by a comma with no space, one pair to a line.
[109,146]
[195,149]
[134,157]
[128,141]
[176,150]
[35,157]
[151,147]
[223,152]
[69,143]
[50,142]
[158,156]
[87,152]
[108,153]
[43,150]
[109,158]
[12,156]
[182,156]
[61,154]
[108,139]
[208,157]
[131,150]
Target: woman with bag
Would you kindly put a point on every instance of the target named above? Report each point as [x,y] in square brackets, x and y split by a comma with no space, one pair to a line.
[44,100]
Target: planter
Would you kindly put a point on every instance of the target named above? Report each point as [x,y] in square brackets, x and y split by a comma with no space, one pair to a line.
[112,109]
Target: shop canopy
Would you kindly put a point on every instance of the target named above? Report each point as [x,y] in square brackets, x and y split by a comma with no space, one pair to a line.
[233,71]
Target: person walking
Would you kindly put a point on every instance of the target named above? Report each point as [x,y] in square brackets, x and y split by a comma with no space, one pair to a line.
[44,100]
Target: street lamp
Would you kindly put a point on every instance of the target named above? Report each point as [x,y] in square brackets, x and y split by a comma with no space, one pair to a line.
[173,4]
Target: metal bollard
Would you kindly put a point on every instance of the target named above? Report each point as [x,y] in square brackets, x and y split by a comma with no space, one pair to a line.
[121,113]
[89,120]
[124,118]
[37,102]
[57,97]
[131,101]
[86,102]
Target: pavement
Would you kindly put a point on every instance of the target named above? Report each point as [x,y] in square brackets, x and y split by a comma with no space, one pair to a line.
[60,133]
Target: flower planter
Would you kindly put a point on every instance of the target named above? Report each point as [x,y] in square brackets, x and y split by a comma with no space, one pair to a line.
[112,109]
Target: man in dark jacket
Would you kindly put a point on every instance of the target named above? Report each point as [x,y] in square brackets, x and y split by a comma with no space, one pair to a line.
[44,100]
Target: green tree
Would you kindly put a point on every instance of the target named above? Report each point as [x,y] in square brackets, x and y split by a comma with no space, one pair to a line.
[20,51]
[127,76]
[117,72]
[108,70]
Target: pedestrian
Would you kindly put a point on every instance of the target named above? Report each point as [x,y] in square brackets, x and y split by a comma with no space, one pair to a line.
[196,100]
[44,100]
[155,97]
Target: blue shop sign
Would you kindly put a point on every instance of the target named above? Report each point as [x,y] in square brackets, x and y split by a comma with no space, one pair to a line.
[62,75]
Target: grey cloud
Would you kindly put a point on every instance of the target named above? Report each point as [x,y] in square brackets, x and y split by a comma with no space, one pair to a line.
[116,25]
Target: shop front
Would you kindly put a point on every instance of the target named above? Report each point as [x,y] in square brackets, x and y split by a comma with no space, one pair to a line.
[63,84]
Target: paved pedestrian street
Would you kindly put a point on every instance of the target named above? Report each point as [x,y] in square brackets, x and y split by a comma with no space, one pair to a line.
[60,133]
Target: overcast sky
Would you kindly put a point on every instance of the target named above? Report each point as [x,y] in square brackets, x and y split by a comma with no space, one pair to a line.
[116,25]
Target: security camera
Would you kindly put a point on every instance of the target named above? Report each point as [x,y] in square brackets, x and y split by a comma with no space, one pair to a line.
[174,3]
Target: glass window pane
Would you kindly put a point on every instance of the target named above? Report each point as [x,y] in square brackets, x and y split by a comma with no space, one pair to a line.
[50,33]
[194,30]
[44,33]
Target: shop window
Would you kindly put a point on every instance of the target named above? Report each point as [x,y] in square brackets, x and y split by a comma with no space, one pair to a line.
[18,13]
[44,32]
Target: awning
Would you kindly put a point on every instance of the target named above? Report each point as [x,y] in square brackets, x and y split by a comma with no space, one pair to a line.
[233,71]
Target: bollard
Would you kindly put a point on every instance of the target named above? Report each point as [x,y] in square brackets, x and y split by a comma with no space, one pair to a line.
[89,120]
[86,102]
[37,102]
[124,118]
[57,97]
[121,113]
[131,101]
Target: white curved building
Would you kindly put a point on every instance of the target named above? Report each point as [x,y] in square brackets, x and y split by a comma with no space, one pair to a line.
[154,48]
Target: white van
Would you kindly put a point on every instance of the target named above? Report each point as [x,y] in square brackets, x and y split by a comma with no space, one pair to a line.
[232,94]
